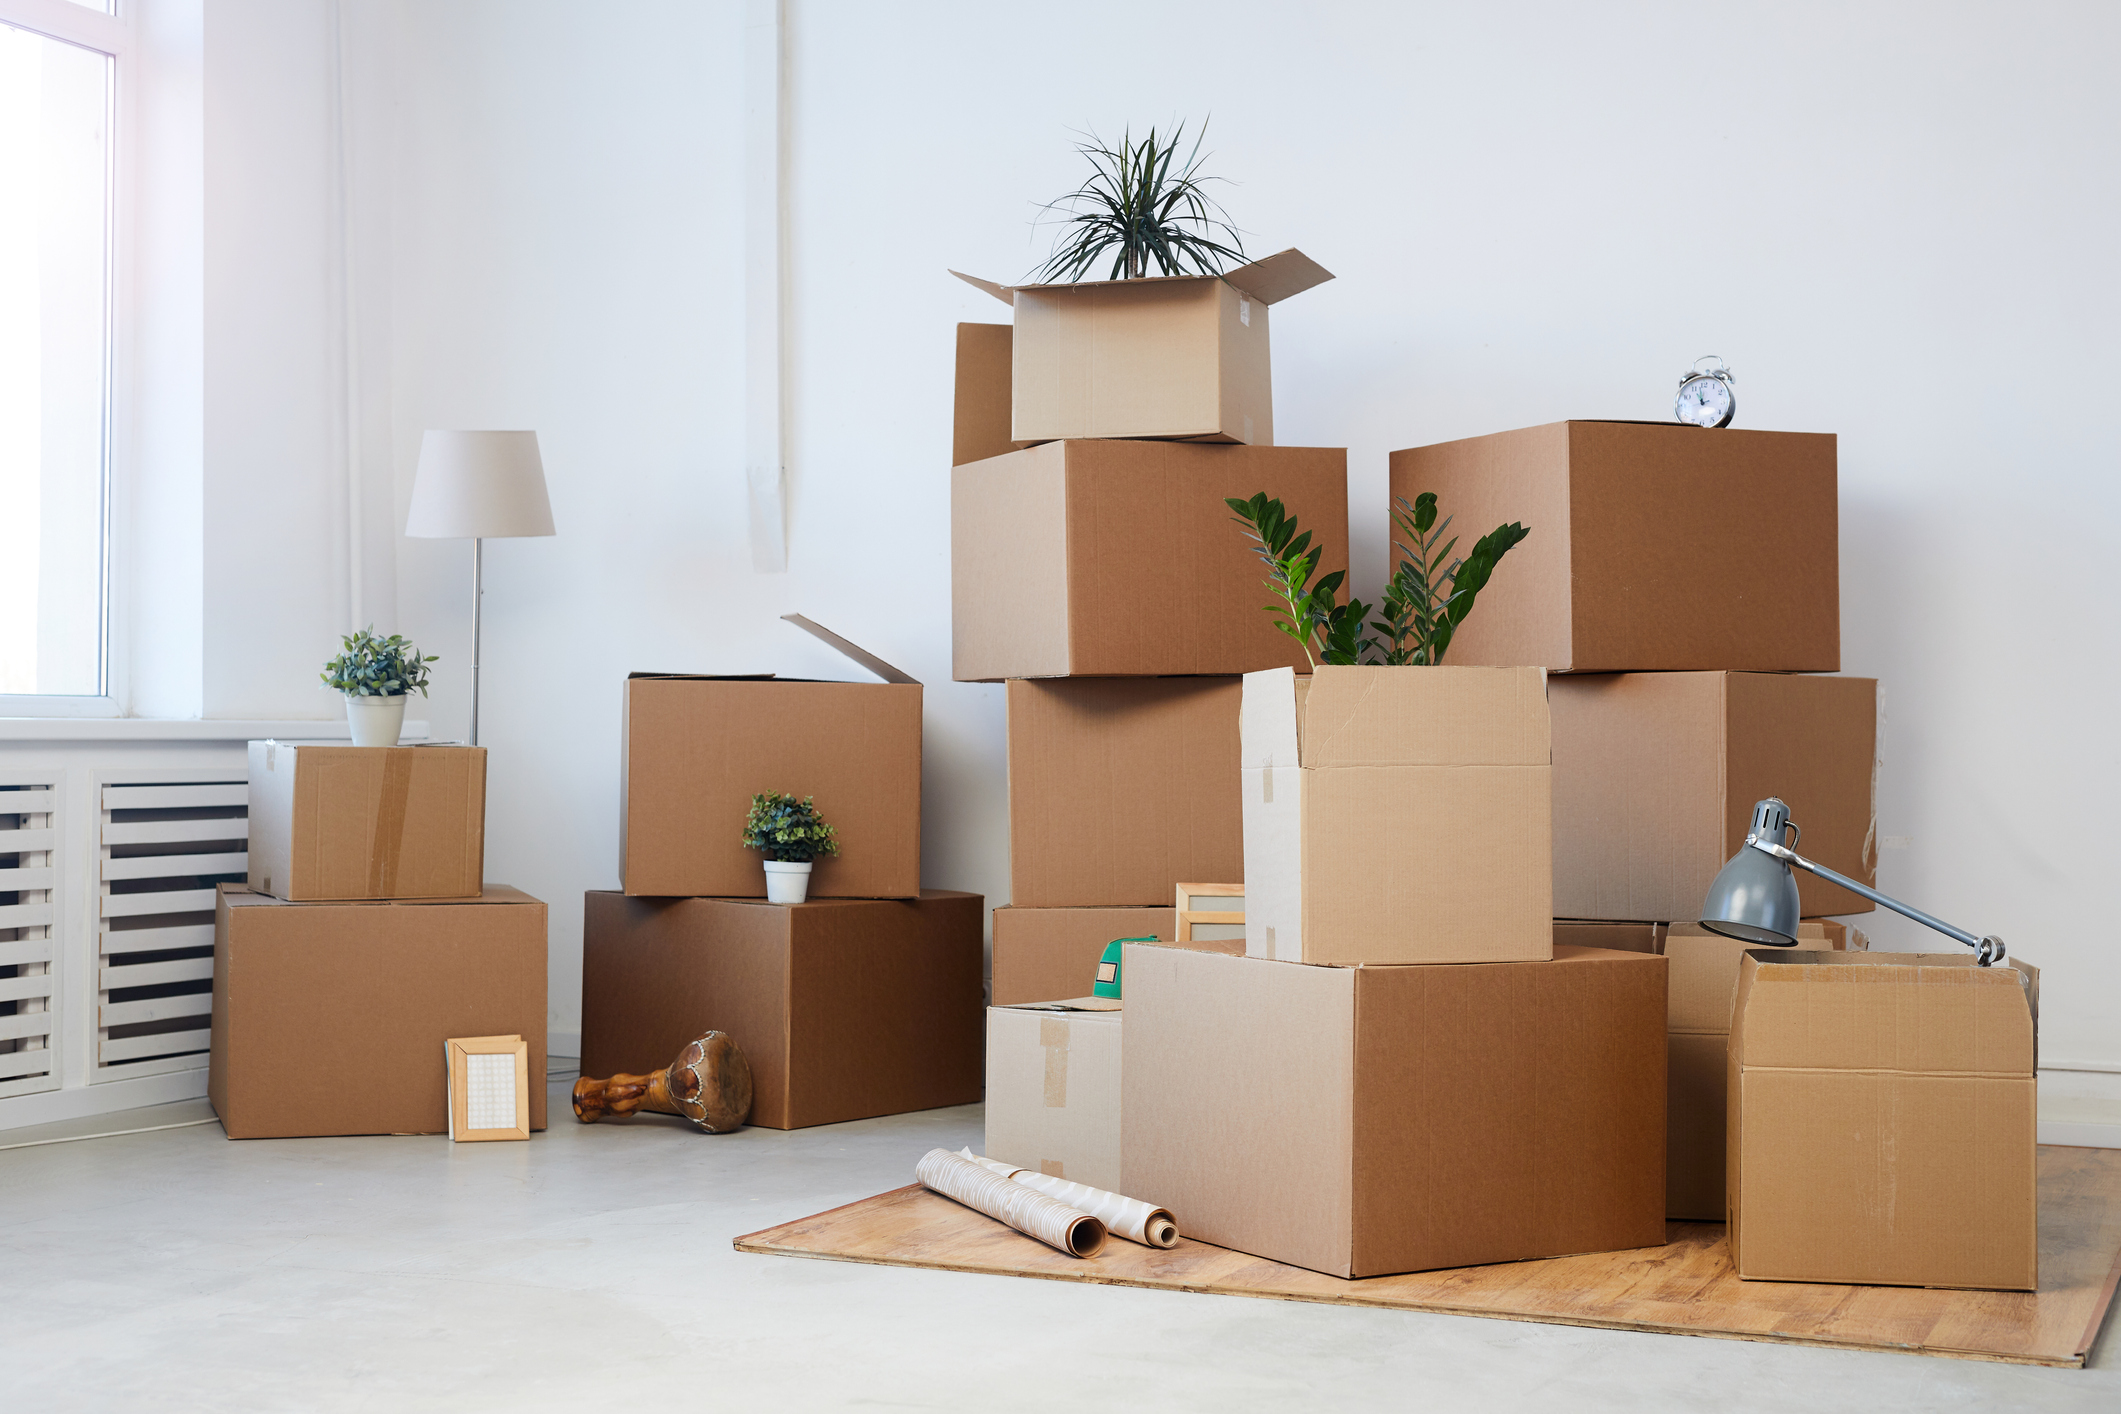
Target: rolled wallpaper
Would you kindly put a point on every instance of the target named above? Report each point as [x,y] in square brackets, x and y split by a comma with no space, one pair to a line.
[1131,1218]
[1023,1208]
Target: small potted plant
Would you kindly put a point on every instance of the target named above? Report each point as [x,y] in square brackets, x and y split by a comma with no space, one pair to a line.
[375,675]
[790,834]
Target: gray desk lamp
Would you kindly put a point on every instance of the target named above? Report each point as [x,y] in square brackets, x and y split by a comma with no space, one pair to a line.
[1754,897]
[474,486]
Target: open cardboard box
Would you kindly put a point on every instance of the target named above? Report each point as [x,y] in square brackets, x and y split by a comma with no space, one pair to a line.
[1181,356]
[696,748]
[1053,1088]
[1653,546]
[331,821]
[1040,953]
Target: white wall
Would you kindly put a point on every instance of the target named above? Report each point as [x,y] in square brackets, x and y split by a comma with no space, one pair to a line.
[1886,217]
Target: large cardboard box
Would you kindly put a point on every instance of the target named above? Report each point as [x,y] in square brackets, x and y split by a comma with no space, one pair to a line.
[1653,546]
[331,1018]
[1398,815]
[1882,1113]
[1655,776]
[1121,788]
[1164,356]
[846,1008]
[1120,559]
[366,822]
[1043,953]
[1053,1089]
[696,748]
[1366,1120]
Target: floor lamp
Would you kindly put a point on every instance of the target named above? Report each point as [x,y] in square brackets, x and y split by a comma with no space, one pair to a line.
[477,486]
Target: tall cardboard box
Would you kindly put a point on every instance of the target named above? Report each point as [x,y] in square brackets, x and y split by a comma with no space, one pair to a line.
[1162,356]
[1360,1121]
[1120,559]
[1121,788]
[1044,953]
[1398,815]
[1882,1120]
[1653,546]
[846,1008]
[366,822]
[1655,776]
[331,1018]
[1053,1088]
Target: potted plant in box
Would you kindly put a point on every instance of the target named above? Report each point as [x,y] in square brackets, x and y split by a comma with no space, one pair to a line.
[375,675]
[790,834]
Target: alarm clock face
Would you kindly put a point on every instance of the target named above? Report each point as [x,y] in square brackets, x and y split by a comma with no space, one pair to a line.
[1705,402]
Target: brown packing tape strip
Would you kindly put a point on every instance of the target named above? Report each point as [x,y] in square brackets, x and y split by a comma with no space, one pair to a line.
[389,838]
[1053,1036]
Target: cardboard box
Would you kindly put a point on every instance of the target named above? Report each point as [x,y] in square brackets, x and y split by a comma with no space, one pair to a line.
[846,1008]
[1882,1120]
[1621,937]
[1043,953]
[1120,559]
[1164,356]
[1360,1121]
[1398,815]
[696,748]
[980,424]
[366,822]
[1655,776]
[1653,546]
[1121,787]
[1053,1089]
[332,1018]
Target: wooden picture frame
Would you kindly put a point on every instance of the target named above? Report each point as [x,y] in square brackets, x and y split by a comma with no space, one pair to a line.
[489,1087]
[1189,916]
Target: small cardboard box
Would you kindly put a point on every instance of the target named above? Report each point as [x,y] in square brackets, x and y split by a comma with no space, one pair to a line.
[1398,815]
[1882,1119]
[1121,787]
[1655,776]
[1653,546]
[1360,1121]
[366,822]
[332,1018]
[1622,937]
[1164,356]
[1120,559]
[1053,1088]
[846,1008]
[696,748]
[1041,953]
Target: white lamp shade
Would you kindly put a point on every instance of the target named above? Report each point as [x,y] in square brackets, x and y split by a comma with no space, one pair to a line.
[479,485]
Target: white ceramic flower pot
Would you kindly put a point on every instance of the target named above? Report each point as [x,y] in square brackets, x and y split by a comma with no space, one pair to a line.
[376,721]
[787,883]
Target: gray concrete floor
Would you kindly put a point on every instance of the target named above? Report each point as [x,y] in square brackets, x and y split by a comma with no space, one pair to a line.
[591,1269]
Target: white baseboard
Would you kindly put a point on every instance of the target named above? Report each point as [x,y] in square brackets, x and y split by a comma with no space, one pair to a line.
[2088,1136]
[80,1101]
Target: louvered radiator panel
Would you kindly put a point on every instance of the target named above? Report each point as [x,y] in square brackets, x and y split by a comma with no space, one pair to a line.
[30,930]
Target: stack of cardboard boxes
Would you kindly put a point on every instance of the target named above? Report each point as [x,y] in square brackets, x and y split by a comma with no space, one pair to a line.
[363,942]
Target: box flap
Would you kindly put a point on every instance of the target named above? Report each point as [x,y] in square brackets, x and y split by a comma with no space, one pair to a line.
[1000,292]
[1268,718]
[855,651]
[1419,716]
[1071,1004]
[1278,276]
[1910,1013]
[243,896]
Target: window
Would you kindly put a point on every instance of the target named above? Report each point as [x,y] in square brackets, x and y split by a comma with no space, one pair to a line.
[57,105]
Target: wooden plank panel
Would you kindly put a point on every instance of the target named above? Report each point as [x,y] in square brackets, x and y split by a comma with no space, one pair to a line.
[156,1009]
[16,989]
[168,1043]
[14,1064]
[33,1023]
[173,901]
[175,797]
[16,880]
[174,831]
[117,941]
[23,950]
[27,802]
[150,974]
[27,841]
[1685,1288]
[169,866]
[28,915]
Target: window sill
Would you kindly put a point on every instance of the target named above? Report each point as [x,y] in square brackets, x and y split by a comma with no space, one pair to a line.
[166,729]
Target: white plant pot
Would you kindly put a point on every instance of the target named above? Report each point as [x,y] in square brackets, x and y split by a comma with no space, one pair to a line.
[787,883]
[376,721]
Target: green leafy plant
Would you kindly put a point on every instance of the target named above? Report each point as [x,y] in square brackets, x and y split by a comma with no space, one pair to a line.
[1429,598]
[1140,212]
[787,830]
[368,666]
[1306,610]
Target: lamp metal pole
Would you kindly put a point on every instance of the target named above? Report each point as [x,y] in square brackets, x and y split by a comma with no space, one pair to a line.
[478,595]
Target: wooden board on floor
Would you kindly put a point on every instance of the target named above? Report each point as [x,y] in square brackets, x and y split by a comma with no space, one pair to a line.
[1684,1288]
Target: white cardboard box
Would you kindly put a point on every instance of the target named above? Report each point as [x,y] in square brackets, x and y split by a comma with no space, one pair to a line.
[1053,1088]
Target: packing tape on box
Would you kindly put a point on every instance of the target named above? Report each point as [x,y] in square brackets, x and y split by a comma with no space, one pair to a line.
[1024,1208]
[1131,1218]
[389,837]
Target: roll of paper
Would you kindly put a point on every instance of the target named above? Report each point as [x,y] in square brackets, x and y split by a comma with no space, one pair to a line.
[1023,1208]
[1131,1218]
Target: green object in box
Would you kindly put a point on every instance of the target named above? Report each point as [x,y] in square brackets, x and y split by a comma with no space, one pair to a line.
[1108,967]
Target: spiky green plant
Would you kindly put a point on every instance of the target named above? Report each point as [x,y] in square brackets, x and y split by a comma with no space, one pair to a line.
[1135,209]
[1306,610]
[788,830]
[1430,595]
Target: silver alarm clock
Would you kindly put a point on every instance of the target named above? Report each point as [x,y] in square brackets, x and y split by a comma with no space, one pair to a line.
[1705,396]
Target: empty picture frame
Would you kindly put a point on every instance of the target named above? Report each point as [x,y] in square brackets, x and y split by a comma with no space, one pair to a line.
[489,1087]
[1210,913]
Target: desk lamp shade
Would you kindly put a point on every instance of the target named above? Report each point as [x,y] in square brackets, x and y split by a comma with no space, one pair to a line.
[479,485]
[1754,897]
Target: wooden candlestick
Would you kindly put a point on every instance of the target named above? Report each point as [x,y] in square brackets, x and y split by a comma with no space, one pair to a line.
[709,1083]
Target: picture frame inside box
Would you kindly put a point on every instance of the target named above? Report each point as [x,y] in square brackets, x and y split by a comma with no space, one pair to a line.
[1219,920]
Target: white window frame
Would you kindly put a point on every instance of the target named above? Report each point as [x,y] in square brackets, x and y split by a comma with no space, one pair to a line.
[70,23]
